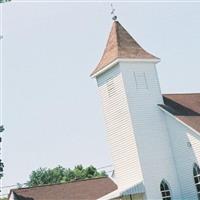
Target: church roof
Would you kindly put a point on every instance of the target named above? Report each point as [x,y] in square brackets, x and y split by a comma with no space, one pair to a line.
[186,107]
[76,190]
[121,44]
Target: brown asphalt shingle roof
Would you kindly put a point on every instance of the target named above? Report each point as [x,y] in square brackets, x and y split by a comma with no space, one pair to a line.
[185,107]
[89,189]
[121,44]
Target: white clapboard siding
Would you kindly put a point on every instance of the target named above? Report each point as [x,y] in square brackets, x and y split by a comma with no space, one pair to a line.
[119,128]
[149,127]
[185,155]
[194,139]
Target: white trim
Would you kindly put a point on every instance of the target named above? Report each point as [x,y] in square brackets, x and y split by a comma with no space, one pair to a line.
[125,191]
[155,60]
[179,120]
[12,196]
[105,68]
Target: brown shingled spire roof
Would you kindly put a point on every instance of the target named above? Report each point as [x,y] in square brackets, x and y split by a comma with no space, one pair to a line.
[121,44]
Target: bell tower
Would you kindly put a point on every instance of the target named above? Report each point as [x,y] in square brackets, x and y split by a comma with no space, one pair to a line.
[137,135]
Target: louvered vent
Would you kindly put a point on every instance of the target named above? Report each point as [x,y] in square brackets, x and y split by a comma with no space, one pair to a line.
[111,88]
[140,80]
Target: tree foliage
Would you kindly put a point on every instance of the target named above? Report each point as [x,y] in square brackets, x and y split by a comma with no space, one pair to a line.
[60,174]
[4,1]
[1,169]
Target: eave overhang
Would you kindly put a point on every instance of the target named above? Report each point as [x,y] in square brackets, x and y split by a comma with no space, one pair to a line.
[112,64]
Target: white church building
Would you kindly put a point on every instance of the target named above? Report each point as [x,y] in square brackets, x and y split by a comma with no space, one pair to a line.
[154,139]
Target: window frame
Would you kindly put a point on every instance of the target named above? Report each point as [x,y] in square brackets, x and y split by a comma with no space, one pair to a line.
[165,190]
[196,176]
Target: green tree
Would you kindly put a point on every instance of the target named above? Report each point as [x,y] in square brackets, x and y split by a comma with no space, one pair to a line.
[60,174]
[4,1]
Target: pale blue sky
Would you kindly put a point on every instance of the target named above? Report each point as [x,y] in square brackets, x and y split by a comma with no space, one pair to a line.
[52,111]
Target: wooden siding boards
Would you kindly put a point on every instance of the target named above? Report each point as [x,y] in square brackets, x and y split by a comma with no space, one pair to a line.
[120,132]
[109,74]
[150,130]
[195,142]
[138,152]
[184,156]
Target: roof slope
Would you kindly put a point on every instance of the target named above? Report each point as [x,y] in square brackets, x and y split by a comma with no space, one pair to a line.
[185,107]
[77,190]
[121,44]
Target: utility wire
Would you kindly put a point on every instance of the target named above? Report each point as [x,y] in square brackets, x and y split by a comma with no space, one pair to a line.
[103,167]
[106,166]
[10,186]
[23,184]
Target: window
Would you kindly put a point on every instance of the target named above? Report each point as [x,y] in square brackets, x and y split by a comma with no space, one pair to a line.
[196,174]
[165,191]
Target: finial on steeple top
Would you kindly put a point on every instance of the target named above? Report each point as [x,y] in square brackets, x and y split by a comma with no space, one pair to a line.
[114,17]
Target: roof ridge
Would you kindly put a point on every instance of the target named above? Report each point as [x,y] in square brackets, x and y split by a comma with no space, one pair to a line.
[117,37]
[53,184]
[181,93]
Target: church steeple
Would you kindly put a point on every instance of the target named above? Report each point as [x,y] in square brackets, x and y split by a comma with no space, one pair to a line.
[136,129]
[121,44]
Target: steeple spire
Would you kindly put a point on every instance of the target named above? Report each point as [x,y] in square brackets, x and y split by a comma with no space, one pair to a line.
[121,44]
